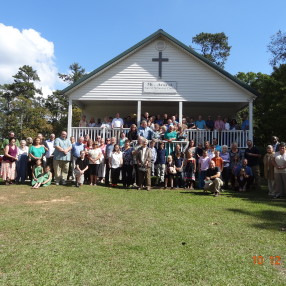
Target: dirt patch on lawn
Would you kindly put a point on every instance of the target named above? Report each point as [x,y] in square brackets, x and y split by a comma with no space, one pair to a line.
[66,199]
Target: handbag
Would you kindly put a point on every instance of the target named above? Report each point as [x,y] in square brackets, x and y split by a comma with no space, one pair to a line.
[172,170]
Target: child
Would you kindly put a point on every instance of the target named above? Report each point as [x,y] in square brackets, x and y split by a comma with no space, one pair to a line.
[154,156]
[242,180]
[45,179]
[37,172]
[218,160]
[81,166]
[190,170]
[178,158]
[170,172]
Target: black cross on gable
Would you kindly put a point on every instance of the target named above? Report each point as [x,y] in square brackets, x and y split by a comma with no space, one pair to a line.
[160,60]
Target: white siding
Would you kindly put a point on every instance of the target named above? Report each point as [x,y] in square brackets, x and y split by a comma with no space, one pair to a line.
[196,81]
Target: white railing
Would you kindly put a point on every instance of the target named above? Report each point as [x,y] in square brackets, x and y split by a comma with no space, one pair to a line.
[93,132]
[225,137]
[199,136]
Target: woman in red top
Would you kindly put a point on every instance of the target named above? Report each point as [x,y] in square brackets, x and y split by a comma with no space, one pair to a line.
[8,167]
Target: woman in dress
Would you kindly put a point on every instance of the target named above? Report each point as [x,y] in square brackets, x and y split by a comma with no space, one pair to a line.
[190,170]
[8,167]
[21,164]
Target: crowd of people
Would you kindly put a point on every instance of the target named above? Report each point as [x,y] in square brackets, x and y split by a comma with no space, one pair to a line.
[154,122]
[134,158]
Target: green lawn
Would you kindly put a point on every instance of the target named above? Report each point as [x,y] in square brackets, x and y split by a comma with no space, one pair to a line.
[100,236]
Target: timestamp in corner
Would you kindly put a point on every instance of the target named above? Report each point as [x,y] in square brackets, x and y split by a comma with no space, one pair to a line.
[273,260]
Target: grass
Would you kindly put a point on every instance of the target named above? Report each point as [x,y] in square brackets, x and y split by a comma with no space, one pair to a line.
[100,236]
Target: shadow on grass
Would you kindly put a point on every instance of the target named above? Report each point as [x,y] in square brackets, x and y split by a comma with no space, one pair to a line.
[272,219]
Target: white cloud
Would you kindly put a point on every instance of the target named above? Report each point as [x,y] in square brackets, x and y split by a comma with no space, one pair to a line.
[27,47]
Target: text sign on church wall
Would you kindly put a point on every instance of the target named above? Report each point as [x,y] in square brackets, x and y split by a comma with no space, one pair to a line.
[160,87]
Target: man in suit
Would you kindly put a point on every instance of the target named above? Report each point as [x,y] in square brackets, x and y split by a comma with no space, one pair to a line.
[144,157]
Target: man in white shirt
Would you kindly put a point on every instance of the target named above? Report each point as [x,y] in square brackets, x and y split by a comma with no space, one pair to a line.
[50,153]
[117,122]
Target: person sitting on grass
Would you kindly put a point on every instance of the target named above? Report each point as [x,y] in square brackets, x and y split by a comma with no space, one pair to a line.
[242,180]
[45,179]
[81,166]
[37,172]
[213,182]
[248,172]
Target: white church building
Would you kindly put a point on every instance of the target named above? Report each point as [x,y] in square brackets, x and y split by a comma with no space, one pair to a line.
[161,75]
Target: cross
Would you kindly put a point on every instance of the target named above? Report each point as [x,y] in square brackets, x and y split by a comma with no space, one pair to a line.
[160,60]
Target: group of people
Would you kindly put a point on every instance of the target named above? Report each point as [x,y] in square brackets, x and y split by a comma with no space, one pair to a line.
[133,160]
[219,124]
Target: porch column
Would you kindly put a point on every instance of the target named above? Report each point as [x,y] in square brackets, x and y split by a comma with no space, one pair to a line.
[138,113]
[250,117]
[70,118]
[180,111]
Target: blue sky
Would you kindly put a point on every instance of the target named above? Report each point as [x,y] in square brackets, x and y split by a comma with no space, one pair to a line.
[93,32]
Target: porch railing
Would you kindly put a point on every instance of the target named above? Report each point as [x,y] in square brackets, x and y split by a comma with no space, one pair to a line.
[200,136]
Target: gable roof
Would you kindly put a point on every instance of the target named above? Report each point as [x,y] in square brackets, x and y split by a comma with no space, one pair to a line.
[157,34]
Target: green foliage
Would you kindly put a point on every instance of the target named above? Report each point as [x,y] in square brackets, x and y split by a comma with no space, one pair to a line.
[27,113]
[270,106]
[76,72]
[214,47]
[277,48]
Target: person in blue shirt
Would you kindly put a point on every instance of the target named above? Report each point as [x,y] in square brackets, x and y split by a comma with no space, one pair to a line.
[160,164]
[62,156]
[145,131]
[245,123]
[200,123]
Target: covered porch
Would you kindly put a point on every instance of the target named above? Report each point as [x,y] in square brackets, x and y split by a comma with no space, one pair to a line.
[102,108]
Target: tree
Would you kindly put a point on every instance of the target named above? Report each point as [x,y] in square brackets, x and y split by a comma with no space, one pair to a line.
[270,106]
[214,47]
[21,108]
[24,82]
[277,48]
[76,72]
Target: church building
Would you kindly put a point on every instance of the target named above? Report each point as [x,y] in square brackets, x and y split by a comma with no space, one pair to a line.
[160,75]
